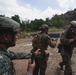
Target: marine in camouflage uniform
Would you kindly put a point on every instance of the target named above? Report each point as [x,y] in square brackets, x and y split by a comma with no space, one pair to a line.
[42,41]
[8,30]
[6,64]
[68,42]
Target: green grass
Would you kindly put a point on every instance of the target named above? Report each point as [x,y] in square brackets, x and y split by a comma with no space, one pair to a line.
[25,34]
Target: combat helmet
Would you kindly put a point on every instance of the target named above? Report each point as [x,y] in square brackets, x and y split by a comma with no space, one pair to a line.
[73,23]
[7,24]
[44,27]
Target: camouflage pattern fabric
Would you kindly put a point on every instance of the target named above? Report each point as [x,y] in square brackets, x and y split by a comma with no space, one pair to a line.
[6,64]
[67,49]
[42,42]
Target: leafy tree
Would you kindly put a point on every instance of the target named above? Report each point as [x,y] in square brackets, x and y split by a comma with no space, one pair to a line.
[57,21]
[36,24]
[2,15]
[16,18]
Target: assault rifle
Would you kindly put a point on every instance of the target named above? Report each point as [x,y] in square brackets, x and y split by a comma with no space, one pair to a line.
[54,35]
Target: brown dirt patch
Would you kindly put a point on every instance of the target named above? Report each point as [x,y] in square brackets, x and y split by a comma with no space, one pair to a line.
[24,45]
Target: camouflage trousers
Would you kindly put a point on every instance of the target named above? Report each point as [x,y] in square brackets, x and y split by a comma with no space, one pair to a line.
[66,61]
[41,65]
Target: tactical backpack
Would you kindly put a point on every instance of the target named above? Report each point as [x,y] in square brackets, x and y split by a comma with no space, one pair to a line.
[36,41]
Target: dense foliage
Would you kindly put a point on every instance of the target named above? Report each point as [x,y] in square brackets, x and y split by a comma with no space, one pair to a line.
[57,21]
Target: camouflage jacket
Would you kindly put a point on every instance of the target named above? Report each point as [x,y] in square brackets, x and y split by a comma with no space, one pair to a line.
[42,40]
[66,44]
[6,64]
[66,36]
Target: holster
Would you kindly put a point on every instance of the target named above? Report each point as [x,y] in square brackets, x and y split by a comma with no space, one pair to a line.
[43,54]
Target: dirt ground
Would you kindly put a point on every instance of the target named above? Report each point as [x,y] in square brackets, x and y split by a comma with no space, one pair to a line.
[24,45]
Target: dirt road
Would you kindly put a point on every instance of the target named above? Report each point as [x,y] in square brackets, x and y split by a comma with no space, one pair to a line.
[24,45]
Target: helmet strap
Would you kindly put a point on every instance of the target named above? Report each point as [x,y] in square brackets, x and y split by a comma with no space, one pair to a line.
[9,44]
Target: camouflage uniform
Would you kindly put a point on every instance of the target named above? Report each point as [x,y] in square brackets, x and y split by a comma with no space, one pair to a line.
[66,47]
[41,60]
[9,27]
[6,64]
